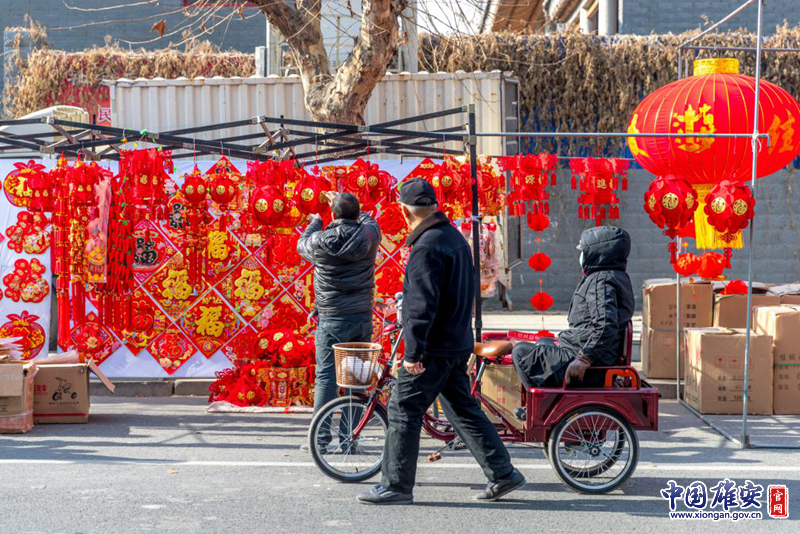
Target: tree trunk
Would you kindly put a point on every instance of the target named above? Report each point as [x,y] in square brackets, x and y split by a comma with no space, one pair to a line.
[342,96]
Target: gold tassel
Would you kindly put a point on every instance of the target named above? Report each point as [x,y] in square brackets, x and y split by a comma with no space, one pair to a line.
[705,235]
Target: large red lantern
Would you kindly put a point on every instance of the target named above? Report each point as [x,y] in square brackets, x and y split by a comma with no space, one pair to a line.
[729,208]
[716,100]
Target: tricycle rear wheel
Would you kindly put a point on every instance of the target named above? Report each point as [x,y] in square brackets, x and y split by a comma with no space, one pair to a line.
[593,450]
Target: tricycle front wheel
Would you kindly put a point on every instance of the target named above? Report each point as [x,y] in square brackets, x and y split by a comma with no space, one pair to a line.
[593,450]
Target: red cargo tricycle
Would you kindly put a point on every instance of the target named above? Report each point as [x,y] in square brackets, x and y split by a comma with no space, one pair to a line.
[587,433]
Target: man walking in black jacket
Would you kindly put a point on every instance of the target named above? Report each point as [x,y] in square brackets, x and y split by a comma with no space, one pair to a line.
[438,299]
[343,256]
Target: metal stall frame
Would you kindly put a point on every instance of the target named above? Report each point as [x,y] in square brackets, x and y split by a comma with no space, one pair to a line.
[743,440]
[94,142]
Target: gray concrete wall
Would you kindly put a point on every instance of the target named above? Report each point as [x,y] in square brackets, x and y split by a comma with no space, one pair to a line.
[776,249]
[651,16]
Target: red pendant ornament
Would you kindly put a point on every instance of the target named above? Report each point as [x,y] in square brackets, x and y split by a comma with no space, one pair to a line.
[30,333]
[542,301]
[195,220]
[539,262]
[671,202]
[25,283]
[598,179]
[30,235]
[686,264]
[531,174]
[729,208]
[538,222]
[17,184]
[310,193]
[368,183]
[171,349]
[712,265]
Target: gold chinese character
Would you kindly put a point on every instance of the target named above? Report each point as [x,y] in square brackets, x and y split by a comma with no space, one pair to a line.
[784,130]
[177,285]
[217,245]
[689,119]
[209,323]
[248,285]
[632,142]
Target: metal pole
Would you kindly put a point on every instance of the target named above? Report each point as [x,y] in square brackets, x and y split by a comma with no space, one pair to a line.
[748,324]
[720,23]
[593,135]
[472,141]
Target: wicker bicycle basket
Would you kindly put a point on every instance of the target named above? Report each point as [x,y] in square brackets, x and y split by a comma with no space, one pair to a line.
[356,364]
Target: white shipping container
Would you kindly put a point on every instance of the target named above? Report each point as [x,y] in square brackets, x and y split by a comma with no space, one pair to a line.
[160,105]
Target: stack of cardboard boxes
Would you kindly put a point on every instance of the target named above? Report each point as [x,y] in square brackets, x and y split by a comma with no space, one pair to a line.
[659,321]
[713,345]
[45,393]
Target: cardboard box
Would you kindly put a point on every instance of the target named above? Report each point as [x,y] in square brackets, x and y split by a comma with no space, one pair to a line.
[715,371]
[659,307]
[61,394]
[786,393]
[783,324]
[730,311]
[789,293]
[658,354]
[16,397]
[790,300]
[500,385]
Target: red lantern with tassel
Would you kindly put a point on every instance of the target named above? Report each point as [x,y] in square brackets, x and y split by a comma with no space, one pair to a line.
[268,206]
[670,201]
[597,179]
[729,208]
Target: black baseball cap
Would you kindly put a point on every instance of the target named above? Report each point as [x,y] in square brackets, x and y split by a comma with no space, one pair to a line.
[417,192]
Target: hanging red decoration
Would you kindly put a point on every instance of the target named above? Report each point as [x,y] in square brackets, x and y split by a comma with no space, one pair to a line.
[539,262]
[598,179]
[542,301]
[716,100]
[686,264]
[670,202]
[311,193]
[538,222]
[729,208]
[712,265]
[368,183]
[531,174]
[17,186]
[196,221]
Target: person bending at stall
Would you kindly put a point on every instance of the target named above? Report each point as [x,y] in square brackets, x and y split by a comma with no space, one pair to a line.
[601,307]
[343,255]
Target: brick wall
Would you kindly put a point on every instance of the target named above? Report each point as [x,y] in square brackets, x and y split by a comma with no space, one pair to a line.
[776,251]
[649,16]
[129,23]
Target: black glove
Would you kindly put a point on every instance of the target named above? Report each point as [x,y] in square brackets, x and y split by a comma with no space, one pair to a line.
[577,368]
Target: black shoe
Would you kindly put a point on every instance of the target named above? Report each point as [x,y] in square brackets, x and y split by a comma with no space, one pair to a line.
[381,495]
[495,490]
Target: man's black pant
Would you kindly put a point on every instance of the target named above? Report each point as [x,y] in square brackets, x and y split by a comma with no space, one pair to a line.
[411,398]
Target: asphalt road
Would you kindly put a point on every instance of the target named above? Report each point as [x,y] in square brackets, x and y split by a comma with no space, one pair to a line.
[166,466]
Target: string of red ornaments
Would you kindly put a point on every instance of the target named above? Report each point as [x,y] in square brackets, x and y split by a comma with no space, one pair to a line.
[598,179]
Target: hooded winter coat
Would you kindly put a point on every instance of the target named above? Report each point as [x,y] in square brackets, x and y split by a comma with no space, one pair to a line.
[343,256]
[601,307]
